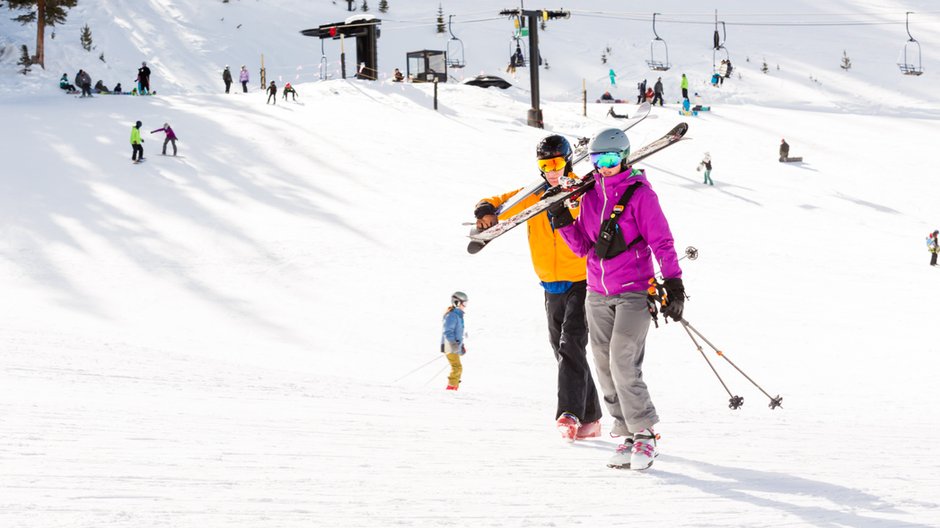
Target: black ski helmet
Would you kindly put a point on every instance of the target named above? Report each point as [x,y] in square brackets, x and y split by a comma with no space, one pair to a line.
[138,124]
[458,297]
[554,146]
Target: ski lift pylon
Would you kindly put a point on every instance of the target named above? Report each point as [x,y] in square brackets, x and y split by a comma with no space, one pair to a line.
[910,60]
[659,60]
[455,56]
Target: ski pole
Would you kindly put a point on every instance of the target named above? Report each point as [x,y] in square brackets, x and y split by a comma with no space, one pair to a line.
[419,367]
[735,402]
[691,253]
[436,374]
[774,402]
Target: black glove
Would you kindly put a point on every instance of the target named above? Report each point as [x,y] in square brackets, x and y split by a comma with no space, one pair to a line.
[675,299]
[484,208]
[560,216]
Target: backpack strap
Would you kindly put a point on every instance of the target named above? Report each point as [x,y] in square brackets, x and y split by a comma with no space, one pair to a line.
[622,205]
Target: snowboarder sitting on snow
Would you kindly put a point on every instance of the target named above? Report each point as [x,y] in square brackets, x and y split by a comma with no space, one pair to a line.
[117,89]
[100,87]
[933,247]
[288,89]
[65,84]
[615,115]
[137,144]
[607,97]
[562,275]
[784,150]
[170,137]
[272,93]
[397,76]
[452,337]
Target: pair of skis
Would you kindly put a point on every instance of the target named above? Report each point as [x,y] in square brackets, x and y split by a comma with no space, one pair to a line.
[554,195]
[580,154]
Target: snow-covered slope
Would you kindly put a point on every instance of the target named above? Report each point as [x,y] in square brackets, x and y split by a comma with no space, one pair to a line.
[228,337]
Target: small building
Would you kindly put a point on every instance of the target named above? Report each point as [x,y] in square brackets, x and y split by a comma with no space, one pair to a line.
[427,66]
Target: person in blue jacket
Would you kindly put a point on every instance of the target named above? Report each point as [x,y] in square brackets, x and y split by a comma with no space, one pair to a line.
[452,339]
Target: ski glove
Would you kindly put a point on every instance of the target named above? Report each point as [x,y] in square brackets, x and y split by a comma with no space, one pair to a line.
[675,299]
[561,217]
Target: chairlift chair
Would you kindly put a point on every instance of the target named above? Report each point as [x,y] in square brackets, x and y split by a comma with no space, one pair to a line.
[518,45]
[455,56]
[719,51]
[658,50]
[909,60]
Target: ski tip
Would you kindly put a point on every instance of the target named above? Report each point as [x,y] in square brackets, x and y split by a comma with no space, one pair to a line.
[475,246]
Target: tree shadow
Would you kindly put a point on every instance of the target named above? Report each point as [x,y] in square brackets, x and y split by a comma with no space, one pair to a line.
[877,207]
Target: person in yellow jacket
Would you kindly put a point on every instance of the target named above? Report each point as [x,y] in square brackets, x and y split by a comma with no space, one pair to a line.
[137,144]
[563,276]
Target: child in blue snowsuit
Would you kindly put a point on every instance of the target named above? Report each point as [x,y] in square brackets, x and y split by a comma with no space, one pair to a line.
[452,338]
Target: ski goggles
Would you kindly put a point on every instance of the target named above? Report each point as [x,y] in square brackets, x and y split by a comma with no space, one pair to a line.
[606,160]
[552,164]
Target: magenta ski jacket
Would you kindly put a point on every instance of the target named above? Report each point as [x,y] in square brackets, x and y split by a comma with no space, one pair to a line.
[631,270]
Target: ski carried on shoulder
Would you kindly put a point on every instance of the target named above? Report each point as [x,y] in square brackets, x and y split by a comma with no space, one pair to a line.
[560,193]
[580,154]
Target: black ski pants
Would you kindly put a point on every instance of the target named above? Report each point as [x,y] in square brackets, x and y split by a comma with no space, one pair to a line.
[245,86]
[138,152]
[933,259]
[228,84]
[657,97]
[568,334]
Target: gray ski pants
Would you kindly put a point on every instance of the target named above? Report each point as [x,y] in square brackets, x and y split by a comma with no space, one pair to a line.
[617,327]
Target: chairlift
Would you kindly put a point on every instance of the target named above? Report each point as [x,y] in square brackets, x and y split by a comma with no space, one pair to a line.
[517,46]
[455,56]
[719,51]
[910,53]
[658,50]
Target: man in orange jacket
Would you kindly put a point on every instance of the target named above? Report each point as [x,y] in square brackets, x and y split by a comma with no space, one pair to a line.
[563,276]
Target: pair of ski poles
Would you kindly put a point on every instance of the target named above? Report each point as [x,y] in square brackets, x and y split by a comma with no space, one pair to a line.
[735,402]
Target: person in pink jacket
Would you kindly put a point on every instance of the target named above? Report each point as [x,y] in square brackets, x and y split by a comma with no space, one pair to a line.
[620,229]
[243,78]
[170,137]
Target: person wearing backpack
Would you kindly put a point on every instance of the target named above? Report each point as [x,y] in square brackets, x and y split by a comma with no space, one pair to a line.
[620,229]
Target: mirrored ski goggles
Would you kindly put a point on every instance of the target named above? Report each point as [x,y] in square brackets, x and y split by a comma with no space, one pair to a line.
[553,164]
[606,160]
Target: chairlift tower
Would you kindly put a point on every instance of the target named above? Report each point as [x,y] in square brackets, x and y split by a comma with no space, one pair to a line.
[534,116]
[365,28]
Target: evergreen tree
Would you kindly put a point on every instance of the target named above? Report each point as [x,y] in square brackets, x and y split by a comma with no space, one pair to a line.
[764,68]
[846,61]
[365,6]
[101,57]
[441,27]
[86,37]
[383,6]
[25,60]
[603,58]
[44,13]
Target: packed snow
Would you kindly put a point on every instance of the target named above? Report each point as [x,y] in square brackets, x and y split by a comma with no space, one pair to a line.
[247,334]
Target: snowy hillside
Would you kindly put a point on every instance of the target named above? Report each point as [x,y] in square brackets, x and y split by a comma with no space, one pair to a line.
[247,334]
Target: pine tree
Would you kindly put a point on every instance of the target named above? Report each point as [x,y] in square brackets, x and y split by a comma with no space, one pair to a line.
[441,28]
[86,37]
[383,6]
[603,58]
[101,57]
[25,60]
[764,68]
[44,13]
[365,6]
[846,61]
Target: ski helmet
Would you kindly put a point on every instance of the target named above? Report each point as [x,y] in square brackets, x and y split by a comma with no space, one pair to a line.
[138,124]
[610,140]
[458,297]
[554,146]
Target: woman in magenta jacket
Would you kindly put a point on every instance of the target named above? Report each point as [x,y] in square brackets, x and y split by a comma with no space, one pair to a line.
[618,272]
